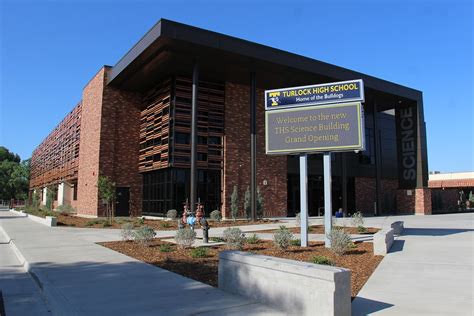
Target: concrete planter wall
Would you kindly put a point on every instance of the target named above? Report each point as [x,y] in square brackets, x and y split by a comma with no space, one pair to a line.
[298,288]
[50,221]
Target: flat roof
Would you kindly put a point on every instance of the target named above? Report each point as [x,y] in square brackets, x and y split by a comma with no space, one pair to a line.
[179,45]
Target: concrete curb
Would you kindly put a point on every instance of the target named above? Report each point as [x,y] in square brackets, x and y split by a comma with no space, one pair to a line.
[49,221]
[58,304]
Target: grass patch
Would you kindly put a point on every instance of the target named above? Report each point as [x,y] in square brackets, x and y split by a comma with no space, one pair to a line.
[165,248]
[200,252]
[253,239]
[322,260]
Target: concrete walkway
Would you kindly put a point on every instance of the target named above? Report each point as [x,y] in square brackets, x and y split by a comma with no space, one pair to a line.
[79,277]
[429,270]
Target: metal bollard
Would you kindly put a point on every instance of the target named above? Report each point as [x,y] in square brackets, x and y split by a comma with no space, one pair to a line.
[205,230]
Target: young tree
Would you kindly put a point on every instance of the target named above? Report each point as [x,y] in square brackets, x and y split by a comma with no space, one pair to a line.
[247,206]
[260,204]
[107,193]
[234,203]
[51,196]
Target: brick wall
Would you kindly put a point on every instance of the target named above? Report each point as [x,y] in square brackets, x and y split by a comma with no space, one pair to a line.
[418,202]
[120,143]
[87,194]
[236,172]
[365,195]
[109,144]
[444,200]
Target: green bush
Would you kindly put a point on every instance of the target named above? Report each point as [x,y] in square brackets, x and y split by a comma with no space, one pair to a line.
[185,237]
[234,238]
[139,221]
[165,248]
[295,242]
[340,241]
[172,214]
[200,252]
[282,238]
[253,239]
[216,215]
[217,239]
[321,260]
[65,209]
[362,229]
[127,231]
[165,224]
[234,203]
[144,235]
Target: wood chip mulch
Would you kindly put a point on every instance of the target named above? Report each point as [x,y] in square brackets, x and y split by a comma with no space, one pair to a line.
[360,260]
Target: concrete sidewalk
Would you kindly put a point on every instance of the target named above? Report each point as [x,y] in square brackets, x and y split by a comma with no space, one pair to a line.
[429,270]
[79,277]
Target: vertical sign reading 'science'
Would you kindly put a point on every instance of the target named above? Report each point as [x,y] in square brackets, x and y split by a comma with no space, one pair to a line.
[407,142]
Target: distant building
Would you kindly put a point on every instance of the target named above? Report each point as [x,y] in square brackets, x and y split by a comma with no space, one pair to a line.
[133,124]
[446,189]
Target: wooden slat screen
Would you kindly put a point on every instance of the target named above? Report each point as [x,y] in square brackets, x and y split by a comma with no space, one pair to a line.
[57,157]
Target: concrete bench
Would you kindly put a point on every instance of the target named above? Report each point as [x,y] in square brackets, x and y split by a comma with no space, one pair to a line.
[397,227]
[298,288]
[383,240]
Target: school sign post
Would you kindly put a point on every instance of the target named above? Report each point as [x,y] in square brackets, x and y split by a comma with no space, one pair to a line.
[321,118]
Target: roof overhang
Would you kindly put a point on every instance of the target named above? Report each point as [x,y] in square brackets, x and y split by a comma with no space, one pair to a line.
[170,47]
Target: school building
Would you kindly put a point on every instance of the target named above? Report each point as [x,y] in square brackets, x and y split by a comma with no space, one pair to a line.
[136,119]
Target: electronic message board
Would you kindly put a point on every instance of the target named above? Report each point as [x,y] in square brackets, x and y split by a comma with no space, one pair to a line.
[327,128]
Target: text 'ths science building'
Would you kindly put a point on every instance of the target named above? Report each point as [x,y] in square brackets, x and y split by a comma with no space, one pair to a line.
[133,125]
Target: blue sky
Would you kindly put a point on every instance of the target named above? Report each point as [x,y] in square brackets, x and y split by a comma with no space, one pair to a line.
[50,50]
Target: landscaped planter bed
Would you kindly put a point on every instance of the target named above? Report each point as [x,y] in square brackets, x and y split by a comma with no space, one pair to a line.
[360,260]
[64,219]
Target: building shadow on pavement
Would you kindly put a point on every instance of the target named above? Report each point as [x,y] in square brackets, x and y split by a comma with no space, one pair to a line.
[434,231]
[364,306]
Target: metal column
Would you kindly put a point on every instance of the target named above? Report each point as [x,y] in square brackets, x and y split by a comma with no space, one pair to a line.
[327,198]
[253,148]
[304,199]
[378,162]
[194,105]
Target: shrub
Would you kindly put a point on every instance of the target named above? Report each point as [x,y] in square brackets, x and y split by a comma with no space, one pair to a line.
[295,242]
[144,235]
[165,248]
[253,239]
[260,204]
[165,224]
[93,222]
[234,203]
[106,224]
[321,260]
[362,229]
[127,231]
[200,252]
[340,241]
[216,239]
[139,221]
[65,209]
[172,214]
[357,219]
[247,206]
[185,237]
[234,238]
[282,238]
[216,215]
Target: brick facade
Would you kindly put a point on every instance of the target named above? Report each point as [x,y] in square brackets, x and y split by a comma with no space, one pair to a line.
[417,200]
[365,195]
[109,144]
[272,169]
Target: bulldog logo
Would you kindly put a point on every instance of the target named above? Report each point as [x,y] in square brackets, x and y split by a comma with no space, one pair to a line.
[274,97]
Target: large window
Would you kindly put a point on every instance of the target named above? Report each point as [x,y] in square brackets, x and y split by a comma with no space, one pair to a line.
[169,188]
